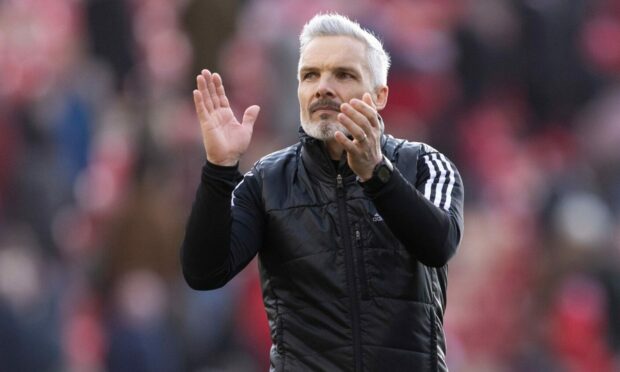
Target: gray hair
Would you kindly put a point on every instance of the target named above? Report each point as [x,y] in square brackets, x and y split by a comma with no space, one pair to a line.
[333,24]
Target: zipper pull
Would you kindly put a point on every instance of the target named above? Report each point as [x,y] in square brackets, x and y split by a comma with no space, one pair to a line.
[358,236]
[339,183]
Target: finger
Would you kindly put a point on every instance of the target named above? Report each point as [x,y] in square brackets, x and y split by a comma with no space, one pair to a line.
[367,108]
[201,83]
[201,110]
[211,88]
[357,117]
[250,115]
[219,89]
[355,130]
[347,144]
[367,98]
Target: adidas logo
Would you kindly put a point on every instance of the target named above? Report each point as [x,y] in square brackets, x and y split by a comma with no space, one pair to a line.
[377,218]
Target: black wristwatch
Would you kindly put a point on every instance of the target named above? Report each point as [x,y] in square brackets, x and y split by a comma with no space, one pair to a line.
[380,175]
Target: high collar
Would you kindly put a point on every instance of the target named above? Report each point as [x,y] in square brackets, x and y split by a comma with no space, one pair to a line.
[316,159]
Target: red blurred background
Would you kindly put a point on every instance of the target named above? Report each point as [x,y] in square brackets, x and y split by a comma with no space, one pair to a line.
[100,154]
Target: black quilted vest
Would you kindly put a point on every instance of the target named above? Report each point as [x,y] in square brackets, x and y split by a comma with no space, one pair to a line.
[340,291]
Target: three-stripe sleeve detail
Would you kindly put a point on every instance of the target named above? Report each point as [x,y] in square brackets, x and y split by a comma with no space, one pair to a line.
[438,188]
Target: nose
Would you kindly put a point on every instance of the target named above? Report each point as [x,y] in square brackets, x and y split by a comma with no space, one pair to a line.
[324,88]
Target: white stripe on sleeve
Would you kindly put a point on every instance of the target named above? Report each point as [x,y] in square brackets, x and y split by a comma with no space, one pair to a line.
[431,178]
[440,182]
[440,172]
[451,182]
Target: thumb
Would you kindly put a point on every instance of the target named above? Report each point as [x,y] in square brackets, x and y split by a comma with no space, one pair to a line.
[250,115]
[368,99]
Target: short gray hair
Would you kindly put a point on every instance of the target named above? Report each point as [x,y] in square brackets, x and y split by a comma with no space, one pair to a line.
[333,24]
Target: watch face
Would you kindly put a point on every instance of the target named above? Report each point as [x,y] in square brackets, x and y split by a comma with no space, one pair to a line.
[384,173]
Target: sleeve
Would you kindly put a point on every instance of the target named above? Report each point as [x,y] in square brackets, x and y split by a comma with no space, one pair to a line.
[426,217]
[224,229]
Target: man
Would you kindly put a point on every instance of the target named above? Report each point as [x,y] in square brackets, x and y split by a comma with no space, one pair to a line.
[353,227]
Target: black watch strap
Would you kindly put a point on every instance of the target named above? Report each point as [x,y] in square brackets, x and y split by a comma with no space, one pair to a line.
[381,175]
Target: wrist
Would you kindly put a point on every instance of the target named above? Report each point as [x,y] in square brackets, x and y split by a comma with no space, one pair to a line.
[223,162]
[363,177]
[380,176]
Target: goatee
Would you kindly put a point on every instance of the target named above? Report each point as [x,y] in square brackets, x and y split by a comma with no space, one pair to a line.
[323,130]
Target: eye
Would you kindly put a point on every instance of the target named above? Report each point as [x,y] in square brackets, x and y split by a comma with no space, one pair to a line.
[309,75]
[343,75]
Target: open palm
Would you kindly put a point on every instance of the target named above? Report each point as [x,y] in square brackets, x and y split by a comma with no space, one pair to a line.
[224,137]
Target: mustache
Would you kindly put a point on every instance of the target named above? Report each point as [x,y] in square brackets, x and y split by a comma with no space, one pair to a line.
[324,104]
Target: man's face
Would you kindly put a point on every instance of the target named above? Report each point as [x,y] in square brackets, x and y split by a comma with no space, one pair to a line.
[333,70]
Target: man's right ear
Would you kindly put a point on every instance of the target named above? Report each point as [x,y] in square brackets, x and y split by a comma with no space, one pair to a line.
[381,94]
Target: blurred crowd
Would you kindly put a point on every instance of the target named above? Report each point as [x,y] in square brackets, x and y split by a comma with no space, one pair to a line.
[100,156]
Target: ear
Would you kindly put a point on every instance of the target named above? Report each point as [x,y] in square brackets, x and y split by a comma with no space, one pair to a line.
[381,96]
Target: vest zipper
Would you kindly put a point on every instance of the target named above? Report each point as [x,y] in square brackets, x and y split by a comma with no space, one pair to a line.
[359,259]
[350,272]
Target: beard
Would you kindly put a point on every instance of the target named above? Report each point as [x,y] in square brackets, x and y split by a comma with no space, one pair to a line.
[323,130]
